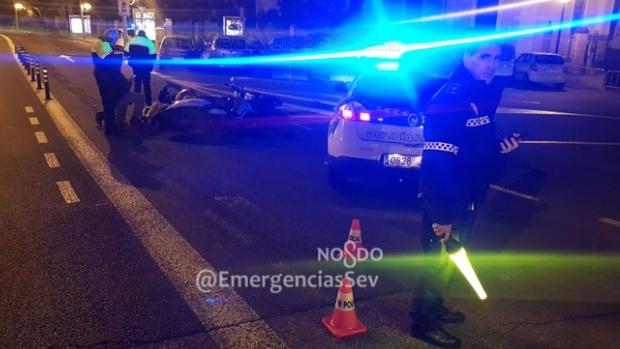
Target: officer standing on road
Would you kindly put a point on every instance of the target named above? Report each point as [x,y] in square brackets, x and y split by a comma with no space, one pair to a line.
[142,54]
[110,81]
[462,154]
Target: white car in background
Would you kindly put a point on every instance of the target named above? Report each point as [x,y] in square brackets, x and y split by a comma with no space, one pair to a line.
[541,68]
[377,127]
[227,47]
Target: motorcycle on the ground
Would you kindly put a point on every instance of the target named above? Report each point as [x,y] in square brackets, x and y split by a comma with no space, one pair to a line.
[182,108]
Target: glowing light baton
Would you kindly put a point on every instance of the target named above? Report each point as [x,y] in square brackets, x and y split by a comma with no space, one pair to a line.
[458,255]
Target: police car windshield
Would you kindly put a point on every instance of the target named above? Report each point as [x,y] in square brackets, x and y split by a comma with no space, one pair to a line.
[385,91]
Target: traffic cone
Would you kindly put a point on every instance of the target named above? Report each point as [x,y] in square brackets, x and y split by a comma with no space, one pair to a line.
[343,322]
[353,245]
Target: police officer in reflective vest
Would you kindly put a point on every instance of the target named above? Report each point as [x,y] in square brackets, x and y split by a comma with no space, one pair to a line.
[142,55]
[110,81]
[462,154]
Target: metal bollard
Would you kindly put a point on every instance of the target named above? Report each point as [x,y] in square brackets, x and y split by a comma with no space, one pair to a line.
[39,87]
[32,78]
[46,83]
[27,62]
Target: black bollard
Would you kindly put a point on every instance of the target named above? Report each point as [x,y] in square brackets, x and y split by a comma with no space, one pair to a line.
[32,78]
[39,87]
[46,83]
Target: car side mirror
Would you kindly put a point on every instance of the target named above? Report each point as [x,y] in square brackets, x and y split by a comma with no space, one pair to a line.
[341,87]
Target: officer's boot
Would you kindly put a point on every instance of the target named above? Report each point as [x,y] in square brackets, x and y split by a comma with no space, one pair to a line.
[429,330]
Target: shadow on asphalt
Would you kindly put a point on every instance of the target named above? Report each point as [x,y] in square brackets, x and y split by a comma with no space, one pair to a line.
[514,216]
[247,137]
[126,155]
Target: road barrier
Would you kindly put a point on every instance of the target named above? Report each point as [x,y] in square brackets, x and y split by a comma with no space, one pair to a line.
[33,68]
[46,82]
[32,72]
[39,87]
[612,79]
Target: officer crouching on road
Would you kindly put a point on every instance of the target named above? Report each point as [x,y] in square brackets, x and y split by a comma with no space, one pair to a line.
[462,154]
[142,55]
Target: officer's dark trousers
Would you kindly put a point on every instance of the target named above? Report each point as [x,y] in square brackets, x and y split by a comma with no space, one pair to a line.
[438,270]
[143,78]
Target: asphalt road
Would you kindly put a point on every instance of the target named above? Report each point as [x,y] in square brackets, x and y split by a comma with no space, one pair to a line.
[258,201]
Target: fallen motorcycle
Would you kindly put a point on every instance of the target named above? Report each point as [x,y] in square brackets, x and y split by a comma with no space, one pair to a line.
[182,109]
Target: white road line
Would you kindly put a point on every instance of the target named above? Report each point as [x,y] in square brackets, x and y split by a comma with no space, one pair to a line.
[34,121]
[67,58]
[52,160]
[67,192]
[29,109]
[572,143]
[176,258]
[514,193]
[41,137]
[535,112]
[610,221]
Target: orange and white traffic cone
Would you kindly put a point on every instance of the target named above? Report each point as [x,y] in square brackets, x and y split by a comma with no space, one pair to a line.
[343,322]
[353,246]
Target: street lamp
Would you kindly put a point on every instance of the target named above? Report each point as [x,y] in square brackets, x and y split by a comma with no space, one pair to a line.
[18,7]
[84,7]
[557,43]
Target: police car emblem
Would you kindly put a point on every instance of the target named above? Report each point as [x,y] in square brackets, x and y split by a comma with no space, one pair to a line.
[415,119]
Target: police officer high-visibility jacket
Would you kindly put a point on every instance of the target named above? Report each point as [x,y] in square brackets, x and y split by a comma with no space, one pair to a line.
[461,150]
[142,52]
[110,80]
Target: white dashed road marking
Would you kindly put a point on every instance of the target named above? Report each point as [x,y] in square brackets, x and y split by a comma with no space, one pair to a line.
[51,160]
[67,192]
[34,121]
[177,259]
[610,221]
[29,109]
[514,193]
[41,137]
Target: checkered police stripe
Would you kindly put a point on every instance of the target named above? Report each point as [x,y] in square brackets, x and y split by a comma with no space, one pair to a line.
[447,147]
[481,121]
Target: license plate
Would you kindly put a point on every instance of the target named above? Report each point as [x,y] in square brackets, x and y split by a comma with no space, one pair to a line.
[397,160]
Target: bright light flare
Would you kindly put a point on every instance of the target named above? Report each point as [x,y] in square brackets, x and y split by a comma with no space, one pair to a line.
[19,6]
[395,50]
[387,66]
[475,12]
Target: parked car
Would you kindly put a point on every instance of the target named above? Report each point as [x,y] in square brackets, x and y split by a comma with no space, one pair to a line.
[541,68]
[225,46]
[179,47]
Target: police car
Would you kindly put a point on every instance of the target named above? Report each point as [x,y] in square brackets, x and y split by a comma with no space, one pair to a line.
[378,126]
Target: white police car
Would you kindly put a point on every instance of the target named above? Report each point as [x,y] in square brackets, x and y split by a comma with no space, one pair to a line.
[378,126]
